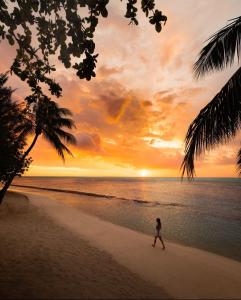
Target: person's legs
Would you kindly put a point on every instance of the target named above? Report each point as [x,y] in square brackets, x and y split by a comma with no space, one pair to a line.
[153,245]
[163,246]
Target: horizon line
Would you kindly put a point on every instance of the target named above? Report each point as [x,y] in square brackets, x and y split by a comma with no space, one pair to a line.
[62,176]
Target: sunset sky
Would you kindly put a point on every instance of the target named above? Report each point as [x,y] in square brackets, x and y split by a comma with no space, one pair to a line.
[132,118]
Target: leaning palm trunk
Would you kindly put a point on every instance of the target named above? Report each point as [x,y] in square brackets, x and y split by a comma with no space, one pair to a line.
[5,188]
[10,180]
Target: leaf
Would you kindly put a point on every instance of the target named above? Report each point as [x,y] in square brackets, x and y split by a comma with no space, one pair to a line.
[239,162]
[3,5]
[104,12]
[158,27]
[10,39]
[216,123]
[221,49]
[35,5]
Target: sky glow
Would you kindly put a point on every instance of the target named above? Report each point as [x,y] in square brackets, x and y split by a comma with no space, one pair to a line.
[132,118]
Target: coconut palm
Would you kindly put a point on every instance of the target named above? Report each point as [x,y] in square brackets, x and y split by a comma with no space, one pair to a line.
[48,120]
[12,137]
[12,113]
[219,121]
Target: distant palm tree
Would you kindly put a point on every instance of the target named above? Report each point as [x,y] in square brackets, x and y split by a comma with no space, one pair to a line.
[48,120]
[219,121]
[12,137]
[12,113]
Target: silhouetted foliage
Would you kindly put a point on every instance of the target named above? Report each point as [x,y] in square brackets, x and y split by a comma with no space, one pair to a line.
[44,117]
[12,139]
[50,120]
[219,121]
[221,49]
[63,27]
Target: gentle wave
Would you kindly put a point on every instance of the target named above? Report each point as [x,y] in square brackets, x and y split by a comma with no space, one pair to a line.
[66,191]
[136,201]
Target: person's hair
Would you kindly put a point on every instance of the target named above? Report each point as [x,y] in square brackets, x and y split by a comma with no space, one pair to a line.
[158,220]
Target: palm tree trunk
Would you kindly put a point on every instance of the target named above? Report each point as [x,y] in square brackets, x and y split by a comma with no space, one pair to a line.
[4,189]
[8,183]
[31,146]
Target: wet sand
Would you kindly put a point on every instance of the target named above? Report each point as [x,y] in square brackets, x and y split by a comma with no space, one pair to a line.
[42,259]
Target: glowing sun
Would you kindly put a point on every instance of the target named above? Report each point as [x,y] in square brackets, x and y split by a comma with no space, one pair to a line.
[144,173]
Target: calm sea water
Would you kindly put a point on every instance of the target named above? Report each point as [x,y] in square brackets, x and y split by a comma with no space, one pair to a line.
[205,213]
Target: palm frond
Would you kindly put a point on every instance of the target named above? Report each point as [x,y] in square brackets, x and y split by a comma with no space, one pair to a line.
[216,123]
[68,137]
[64,111]
[3,79]
[24,129]
[62,122]
[221,49]
[239,162]
[55,141]
[57,110]
[51,121]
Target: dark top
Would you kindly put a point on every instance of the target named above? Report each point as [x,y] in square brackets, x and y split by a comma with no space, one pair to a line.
[158,228]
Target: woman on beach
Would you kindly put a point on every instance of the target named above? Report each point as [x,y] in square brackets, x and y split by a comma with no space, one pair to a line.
[158,235]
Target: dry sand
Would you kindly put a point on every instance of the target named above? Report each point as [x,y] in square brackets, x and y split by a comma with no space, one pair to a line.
[40,259]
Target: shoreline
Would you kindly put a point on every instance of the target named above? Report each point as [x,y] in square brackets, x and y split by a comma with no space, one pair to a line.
[83,197]
[183,272]
[42,259]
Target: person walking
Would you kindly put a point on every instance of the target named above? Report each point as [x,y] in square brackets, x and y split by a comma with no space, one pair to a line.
[158,234]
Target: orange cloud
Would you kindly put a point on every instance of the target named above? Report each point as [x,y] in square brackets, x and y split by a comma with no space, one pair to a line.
[87,141]
[116,124]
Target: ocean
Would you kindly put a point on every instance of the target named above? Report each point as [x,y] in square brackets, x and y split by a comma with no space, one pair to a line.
[205,213]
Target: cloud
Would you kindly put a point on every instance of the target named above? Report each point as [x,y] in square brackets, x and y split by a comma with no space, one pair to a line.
[87,141]
[171,50]
[122,127]
[105,71]
[166,98]
[147,103]
[115,102]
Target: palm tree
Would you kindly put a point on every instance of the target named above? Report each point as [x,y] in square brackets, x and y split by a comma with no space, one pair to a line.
[219,121]
[12,113]
[12,138]
[48,120]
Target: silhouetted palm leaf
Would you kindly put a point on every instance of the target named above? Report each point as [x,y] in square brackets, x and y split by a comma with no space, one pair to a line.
[68,137]
[51,121]
[239,162]
[221,49]
[62,122]
[216,123]
[25,127]
[55,141]
[12,139]
[64,111]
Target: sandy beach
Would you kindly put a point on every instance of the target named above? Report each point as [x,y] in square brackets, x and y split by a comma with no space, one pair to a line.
[55,251]
[40,259]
